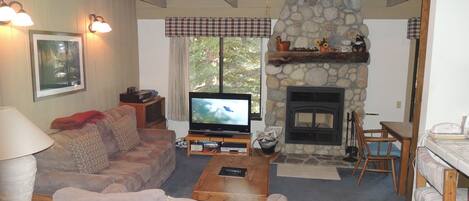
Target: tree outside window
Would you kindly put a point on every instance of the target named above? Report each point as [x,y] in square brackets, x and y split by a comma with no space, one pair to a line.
[227,65]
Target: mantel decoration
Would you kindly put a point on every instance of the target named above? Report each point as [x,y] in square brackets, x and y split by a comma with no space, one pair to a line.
[354,52]
[98,24]
[9,15]
[57,63]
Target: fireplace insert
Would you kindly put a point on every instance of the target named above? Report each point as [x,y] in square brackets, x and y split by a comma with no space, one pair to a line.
[314,115]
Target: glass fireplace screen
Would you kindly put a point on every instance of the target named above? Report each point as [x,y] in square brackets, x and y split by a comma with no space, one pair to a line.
[314,120]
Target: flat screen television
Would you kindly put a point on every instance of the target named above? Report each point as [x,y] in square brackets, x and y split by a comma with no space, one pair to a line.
[219,113]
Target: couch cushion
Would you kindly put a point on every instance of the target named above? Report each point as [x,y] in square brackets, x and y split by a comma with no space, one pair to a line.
[59,156]
[48,182]
[132,175]
[115,188]
[104,127]
[89,153]
[125,132]
[155,154]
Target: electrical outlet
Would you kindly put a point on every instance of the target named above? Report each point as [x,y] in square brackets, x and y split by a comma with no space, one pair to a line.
[398,104]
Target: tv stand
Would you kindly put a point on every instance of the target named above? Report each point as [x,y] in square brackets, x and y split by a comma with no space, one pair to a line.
[220,135]
[244,140]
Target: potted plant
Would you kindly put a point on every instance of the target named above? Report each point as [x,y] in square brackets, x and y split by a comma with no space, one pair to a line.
[268,139]
[323,45]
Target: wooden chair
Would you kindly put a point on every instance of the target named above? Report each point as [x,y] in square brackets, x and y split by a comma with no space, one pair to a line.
[441,177]
[374,155]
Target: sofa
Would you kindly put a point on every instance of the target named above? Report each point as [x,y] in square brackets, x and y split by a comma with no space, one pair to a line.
[96,156]
[118,192]
[114,192]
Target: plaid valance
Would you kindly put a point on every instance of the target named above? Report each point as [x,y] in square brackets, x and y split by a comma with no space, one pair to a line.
[217,27]
[413,28]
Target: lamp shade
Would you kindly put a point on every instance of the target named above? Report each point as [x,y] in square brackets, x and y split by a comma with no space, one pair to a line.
[19,136]
[105,28]
[22,19]
[101,27]
[6,13]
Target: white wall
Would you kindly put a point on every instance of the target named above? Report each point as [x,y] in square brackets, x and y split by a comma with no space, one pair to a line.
[154,57]
[387,72]
[446,83]
[154,68]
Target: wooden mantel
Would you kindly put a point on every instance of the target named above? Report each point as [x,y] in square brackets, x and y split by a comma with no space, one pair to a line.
[279,58]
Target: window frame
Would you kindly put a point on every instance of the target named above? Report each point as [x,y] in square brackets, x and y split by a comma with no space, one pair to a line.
[221,56]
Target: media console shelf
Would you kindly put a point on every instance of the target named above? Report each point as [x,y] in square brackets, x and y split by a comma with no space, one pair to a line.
[238,139]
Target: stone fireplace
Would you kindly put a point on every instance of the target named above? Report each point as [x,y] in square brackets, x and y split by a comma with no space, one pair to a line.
[302,22]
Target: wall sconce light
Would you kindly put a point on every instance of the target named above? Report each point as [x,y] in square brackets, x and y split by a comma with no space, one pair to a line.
[17,18]
[98,24]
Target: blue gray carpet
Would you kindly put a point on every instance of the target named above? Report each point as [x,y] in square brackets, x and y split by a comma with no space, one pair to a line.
[374,187]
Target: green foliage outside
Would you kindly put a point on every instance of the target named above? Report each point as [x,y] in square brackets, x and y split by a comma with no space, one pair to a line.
[241,66]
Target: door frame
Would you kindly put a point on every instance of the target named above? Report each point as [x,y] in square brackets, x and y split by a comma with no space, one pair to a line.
[422,48]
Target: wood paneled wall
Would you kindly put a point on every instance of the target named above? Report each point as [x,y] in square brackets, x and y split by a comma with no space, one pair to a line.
[111,59]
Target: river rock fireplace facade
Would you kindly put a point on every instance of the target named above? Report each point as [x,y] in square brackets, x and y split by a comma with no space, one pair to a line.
[314,115]
[302,22]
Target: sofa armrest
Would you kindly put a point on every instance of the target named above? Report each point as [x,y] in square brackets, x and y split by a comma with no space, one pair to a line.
[76,194]
[153,134]
[49,182]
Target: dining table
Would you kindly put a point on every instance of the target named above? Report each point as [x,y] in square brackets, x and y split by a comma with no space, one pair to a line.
[402,131]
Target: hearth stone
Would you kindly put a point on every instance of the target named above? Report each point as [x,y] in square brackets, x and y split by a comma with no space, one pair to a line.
[313,159]
[302,22]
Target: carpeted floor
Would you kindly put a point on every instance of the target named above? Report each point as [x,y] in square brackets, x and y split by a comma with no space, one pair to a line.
[374,187]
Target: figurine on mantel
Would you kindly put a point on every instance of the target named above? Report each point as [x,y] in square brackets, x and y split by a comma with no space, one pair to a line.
[359,45]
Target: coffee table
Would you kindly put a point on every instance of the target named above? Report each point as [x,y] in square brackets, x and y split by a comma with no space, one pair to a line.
[38,197]
[253,187]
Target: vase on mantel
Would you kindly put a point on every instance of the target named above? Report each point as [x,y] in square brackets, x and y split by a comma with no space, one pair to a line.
[323,49]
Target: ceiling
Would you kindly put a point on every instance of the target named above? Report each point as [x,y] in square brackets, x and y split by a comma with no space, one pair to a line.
[371,9]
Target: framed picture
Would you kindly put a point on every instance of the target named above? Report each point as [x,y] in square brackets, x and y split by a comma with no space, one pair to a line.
[57,63]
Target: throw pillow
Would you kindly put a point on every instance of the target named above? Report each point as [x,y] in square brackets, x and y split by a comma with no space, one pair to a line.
[125,132]
[89,153]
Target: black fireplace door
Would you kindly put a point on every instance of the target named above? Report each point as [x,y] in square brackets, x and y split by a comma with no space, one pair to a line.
[314,125]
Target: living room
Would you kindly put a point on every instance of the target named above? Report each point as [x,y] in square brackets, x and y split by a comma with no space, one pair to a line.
[387,73]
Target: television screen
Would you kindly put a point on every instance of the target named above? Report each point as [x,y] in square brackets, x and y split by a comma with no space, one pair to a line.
[220,111]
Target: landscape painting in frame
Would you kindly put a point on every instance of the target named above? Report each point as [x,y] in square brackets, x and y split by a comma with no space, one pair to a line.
[57,63]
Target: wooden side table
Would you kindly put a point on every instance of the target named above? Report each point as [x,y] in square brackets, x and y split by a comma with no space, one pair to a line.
[38,197]
[402,131]
[150,114]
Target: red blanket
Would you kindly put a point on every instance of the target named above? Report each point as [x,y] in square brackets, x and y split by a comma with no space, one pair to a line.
[76,120]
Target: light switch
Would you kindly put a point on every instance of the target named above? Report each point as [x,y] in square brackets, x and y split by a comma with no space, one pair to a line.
[398,104]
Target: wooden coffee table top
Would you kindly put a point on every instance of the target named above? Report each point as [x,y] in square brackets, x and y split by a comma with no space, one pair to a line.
[254,186]
[38,197]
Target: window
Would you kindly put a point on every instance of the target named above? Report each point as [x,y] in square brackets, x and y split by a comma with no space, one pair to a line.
[227,65]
